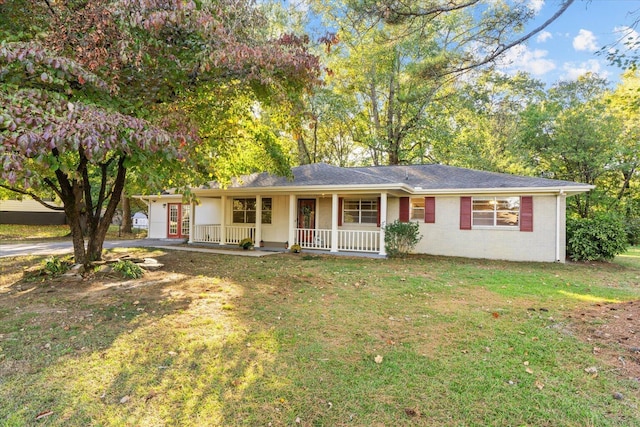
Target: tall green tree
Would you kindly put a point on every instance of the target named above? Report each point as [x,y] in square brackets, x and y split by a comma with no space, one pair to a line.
[573,135]
[481,122]
[397,59]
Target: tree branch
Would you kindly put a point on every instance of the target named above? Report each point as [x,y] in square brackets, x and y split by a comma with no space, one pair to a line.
[503,48]
[33,196]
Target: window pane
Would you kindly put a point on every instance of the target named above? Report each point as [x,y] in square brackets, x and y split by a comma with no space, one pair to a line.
[507,218]
[350,217]
[266,204]
[483,218]
[369,217]
[251,217]
[238,204]
[510,204]
[368,205]
[483,204]
[266,217]
[352,205]
[250,204]
[417,213]
[238,217]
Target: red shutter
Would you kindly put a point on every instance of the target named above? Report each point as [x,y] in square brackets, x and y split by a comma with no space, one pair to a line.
[404,209]
[339,211]
[430,210]
[526,213]
[465,213]
[378,211]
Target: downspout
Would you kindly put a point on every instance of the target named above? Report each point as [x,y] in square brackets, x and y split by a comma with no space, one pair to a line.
[558,206]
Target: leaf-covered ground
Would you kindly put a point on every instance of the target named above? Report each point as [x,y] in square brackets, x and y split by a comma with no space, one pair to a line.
[313,340]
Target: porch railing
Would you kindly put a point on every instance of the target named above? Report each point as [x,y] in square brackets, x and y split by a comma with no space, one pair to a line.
[348,240]
[313,239]
[235,233]
[359,241]
[207,233]
[212,233]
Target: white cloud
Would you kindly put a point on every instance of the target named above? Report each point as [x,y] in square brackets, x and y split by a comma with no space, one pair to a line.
[573,71]
[585,40]
[521,58]
[544,36]
[536,5]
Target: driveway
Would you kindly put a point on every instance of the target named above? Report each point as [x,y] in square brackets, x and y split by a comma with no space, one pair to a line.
[60,248]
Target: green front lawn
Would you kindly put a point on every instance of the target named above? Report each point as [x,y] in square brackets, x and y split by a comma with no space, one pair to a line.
[12,233]
[303,340]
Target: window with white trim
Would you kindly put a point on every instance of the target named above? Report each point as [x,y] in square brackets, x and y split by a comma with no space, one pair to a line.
[360,211]
[417,208]
[496,211]
[244,210]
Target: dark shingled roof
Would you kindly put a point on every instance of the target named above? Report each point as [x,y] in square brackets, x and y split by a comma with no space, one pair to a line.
[426,177]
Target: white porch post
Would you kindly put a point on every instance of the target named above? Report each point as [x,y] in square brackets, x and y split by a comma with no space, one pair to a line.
[334,222]
[258,237]
[383,221]
[292,219]
[223,220]
[192,222]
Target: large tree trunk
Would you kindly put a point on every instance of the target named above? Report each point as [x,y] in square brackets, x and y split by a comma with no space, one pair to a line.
[100,223]
[127,223]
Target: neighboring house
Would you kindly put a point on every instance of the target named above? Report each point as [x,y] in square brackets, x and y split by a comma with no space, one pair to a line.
[30,212]
[461,212]
[140,220]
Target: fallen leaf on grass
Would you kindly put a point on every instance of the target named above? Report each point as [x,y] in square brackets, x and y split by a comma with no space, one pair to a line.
[125,399]
[44,414]
[539,385]
[528,371]
[378,359]
[411,412]
[495,315]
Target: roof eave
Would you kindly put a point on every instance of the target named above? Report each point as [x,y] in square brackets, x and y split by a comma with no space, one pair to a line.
[566,190]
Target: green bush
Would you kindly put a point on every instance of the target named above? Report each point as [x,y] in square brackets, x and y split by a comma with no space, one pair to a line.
[400,238]
[600,238]
[633,231]
[128,269]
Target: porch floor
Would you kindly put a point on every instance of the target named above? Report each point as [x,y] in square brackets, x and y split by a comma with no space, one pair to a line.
[260,252]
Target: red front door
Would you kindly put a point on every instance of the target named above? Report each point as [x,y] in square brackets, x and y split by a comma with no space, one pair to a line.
[306,219]
[179,220]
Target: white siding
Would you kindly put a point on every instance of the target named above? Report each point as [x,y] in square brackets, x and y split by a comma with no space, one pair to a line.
[277,231]
[445,237]
[208,211]
[157,219]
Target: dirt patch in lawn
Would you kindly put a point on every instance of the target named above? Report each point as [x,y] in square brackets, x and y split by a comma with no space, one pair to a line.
[614,332]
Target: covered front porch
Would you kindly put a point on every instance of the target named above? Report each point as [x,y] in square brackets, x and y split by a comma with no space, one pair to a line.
[318,222]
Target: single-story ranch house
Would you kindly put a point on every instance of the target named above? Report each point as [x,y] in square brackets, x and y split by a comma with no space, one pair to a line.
[461,212]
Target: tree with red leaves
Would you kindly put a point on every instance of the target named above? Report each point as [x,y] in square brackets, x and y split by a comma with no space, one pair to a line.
[81,85]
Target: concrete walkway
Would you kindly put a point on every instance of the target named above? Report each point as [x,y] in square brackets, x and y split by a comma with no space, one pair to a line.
[62,248]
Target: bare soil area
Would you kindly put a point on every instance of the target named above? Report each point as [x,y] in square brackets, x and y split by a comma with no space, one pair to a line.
[614,332]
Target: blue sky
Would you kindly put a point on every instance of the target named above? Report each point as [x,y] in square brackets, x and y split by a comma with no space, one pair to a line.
[567,48]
